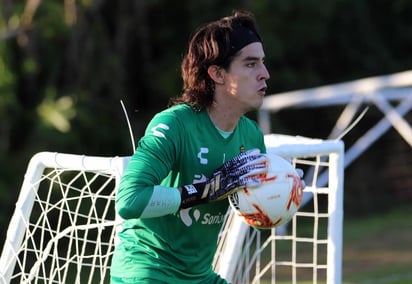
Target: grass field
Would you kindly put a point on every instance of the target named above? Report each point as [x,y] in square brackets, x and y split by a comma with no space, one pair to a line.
[378,249]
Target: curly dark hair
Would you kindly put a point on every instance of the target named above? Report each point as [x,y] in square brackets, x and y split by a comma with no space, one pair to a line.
[210,45]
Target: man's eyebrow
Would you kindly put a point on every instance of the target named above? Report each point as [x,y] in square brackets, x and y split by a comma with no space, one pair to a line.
[253,58]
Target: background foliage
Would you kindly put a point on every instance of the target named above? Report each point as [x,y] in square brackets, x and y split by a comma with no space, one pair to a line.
[65,66]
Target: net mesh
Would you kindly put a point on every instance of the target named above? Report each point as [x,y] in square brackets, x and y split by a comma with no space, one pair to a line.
[69,235]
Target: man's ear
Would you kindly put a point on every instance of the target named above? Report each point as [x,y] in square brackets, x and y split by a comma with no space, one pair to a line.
[217,74]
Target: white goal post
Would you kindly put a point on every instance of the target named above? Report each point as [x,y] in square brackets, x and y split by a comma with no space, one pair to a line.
[64,225]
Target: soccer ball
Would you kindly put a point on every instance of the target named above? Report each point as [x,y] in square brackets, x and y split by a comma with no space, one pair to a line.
[275,201]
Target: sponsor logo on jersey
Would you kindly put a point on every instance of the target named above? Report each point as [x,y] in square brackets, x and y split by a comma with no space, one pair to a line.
[209,219]
[156,132]
[190,216]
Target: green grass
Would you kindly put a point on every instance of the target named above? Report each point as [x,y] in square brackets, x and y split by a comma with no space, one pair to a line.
[378,249]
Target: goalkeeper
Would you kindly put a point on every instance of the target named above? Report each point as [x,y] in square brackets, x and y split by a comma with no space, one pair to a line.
[193,155]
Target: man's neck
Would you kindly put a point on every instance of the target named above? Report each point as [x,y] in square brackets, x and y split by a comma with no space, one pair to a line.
[223,117]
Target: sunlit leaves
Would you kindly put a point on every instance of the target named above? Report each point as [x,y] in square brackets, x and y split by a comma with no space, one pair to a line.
[57,112]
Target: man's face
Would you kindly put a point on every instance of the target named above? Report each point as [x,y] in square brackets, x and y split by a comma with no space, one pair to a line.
[245,80]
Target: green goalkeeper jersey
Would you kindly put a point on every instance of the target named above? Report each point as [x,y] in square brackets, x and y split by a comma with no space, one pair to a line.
[180,146]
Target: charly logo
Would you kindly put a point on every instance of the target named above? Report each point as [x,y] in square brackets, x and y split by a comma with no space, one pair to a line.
[158,133]
[202,151]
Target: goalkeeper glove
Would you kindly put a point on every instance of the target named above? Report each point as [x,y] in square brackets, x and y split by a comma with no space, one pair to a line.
[241,171]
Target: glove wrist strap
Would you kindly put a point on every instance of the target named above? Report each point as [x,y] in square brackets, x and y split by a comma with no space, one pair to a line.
[192,195]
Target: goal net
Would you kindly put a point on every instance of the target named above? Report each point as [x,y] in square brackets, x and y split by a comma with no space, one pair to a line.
[64,226]
[309,248]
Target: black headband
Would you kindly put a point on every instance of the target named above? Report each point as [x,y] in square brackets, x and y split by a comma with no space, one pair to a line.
[240,37]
